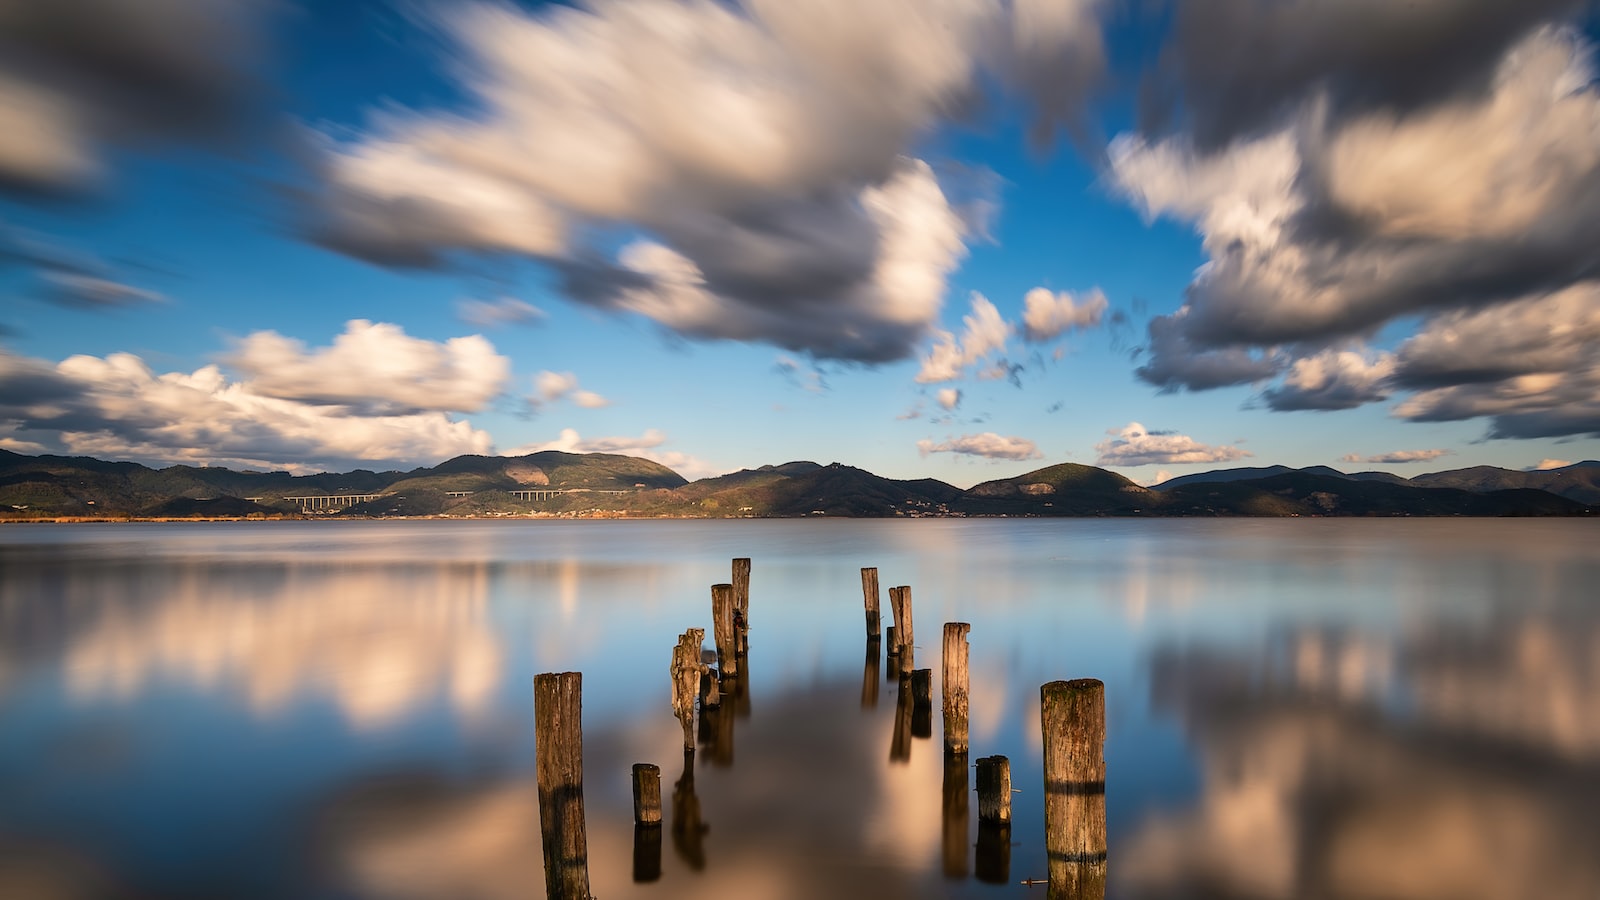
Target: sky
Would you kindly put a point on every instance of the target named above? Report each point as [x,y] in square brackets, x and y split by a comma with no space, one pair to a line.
[959,239]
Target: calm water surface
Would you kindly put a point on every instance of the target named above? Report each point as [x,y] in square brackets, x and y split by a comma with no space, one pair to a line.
[1301,708]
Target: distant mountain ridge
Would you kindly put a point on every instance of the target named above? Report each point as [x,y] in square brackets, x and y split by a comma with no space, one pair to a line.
[599,484]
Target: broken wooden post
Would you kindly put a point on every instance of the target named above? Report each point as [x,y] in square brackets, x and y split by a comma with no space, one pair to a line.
[558,746]
[956,818]
[646,823]
[722,607]
[994,789]
[900,601]
[955,686]
[741,608]
[1072,718]
[993,864]
[869,596]
[685,670]
[646,794]
[922,703]
[869,675]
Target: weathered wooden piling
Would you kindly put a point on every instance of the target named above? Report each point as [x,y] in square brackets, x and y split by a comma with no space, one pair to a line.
[956,819]
[1073,721]
[869,675]
[646,823]
[900,601]
[869,597]
[955,686]
[686,670]
[741,607]
[994,789]
[722,606]
[646,794]
[558,746]
[922,703]
[688,831]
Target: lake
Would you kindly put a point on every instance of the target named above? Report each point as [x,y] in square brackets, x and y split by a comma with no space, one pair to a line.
[1295,708]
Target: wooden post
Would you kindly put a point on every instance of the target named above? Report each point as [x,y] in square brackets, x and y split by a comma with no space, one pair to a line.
[900,600]
[994,789]
[1073,721]
[558,746]
[646,794]
[956,817]
[894,644]
[741,607]
[686,669]
[922,703]
[869,675]
[646,823]
[869,596]
[955,686]
[722,607]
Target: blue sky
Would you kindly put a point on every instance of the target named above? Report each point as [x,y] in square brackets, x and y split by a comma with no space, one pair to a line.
[1231,232]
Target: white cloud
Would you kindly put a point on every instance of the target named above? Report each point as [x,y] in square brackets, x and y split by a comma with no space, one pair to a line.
[374,367]
[1046,316]
[117,407]
[985,332]
[497,313]
[988,445]
[550,387]
[644,446]
[948,398]
[1547,464]
[1333,379]
[761,150]
[1135,445]
[1396,457]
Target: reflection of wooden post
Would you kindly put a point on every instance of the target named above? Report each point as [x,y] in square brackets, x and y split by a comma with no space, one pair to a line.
[993,864]
[716,733]
[955,686]
[688,832]
[1073,719]
[994,789]
[722,607]
[646,794]
[646,823]
[741,604]
[956,818]
[685,671]
[900,743]
[900,600]
[869,596]
[558,746]
[922,703]
[869,676]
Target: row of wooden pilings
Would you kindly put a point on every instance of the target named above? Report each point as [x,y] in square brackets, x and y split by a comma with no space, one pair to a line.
[1072,721]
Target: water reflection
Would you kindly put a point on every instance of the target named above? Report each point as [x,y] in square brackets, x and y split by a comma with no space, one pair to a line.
[1452,762]
[956,816]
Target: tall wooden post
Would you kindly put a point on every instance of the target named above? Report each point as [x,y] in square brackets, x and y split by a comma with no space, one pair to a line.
[741,605]
[900,600]
[646,794]
[558,745]
[869,597]
[722,607]
[685,670]
[956,818]
[955,686]
[1073,720]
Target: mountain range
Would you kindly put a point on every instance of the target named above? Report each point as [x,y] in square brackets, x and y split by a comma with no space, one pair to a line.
[598,484]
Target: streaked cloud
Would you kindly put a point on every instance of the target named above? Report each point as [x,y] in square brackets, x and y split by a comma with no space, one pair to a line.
[988,445]
[1545,465]
[1397,457]
[374,367]
[550,387]
[1135,445]
[1048,315]
[497,313]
